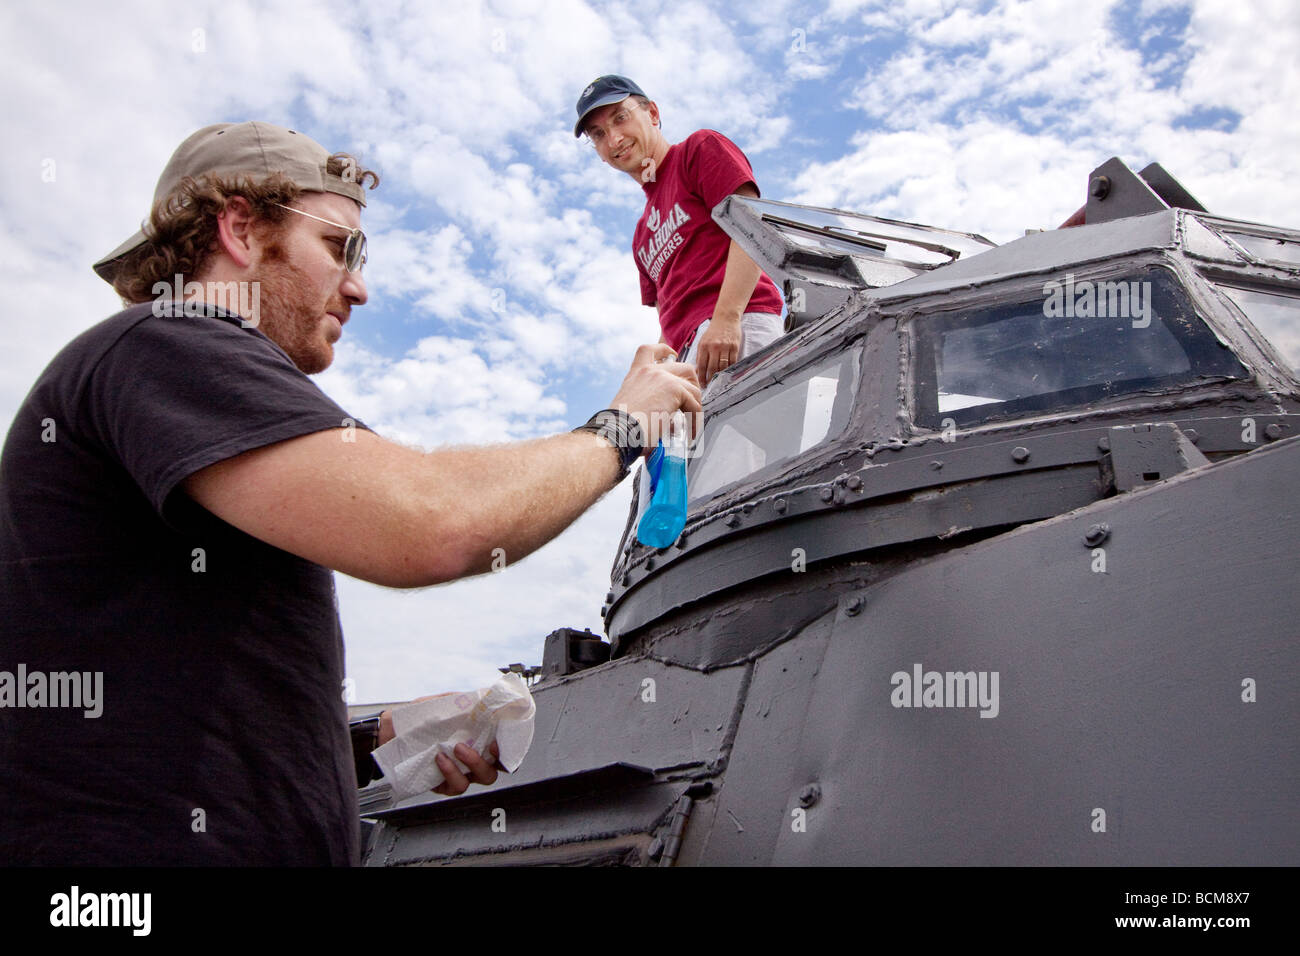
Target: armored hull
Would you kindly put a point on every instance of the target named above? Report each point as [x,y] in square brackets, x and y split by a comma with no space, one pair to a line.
[976,571]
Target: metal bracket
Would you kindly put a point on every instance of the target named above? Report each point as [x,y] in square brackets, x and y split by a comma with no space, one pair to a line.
[1144,454]
[1169,189]
[1116,192]
[568,651]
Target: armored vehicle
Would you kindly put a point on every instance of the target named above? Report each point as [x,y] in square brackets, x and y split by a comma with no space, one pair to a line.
[991,559]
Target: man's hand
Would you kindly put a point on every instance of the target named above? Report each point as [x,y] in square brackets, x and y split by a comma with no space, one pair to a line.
[480,770]
[656,387]
[718,347]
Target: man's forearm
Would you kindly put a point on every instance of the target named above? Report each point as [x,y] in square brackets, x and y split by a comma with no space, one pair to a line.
[400,517]
[738,282]
[496,504]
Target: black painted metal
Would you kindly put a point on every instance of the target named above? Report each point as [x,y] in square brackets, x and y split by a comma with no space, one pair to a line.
[1169,189]
[1121,690]
[1127,569]
[567,651]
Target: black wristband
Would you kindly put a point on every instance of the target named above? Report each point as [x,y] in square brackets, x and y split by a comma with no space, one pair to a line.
[622,431]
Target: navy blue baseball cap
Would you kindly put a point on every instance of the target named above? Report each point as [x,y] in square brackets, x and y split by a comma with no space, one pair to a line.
[601,92]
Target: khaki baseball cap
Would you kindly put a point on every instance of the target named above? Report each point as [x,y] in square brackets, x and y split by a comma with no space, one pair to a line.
[256,149]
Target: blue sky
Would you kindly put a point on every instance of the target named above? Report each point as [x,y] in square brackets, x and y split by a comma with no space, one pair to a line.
[504,300]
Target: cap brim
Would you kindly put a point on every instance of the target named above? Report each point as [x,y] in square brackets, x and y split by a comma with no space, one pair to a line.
[603,101]
[107,266]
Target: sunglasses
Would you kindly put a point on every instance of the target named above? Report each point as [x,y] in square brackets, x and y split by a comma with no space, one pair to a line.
[354,250]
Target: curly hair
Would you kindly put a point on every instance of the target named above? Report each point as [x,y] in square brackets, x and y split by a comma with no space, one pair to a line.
[182,229]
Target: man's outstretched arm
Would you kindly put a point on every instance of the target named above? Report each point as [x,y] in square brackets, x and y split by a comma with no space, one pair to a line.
[400,517]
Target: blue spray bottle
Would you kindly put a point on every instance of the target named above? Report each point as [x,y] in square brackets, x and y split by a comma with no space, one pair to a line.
[665,518]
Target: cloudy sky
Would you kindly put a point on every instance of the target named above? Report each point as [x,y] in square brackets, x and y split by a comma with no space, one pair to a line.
[503,294]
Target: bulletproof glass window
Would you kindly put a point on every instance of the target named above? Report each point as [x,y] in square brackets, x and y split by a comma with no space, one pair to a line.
[1275,314]
[785,420]
[1267,248]
[1081,342]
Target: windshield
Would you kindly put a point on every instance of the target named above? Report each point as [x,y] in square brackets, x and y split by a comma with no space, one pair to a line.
[790,417]
[1276,315]
[1078,343]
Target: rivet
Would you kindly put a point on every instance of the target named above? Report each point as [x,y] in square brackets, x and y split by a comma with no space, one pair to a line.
[855,482]
[1096,535]
[809,795]
[733,519]
[1273,431]
[1193,435]
[936,465]
[779,506]
[854,606]
[827,494]
[1103,443]
[1020,454]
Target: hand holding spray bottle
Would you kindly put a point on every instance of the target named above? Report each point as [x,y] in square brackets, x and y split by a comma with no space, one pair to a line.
[665,518]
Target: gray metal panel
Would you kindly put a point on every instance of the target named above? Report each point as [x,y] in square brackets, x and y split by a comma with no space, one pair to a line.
[577,820]
[1043,252]
[1120,691]
[684,725]
[1199,242]
[754,802]
[936,513]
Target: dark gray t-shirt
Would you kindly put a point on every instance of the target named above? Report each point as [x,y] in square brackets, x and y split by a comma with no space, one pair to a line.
[223,734]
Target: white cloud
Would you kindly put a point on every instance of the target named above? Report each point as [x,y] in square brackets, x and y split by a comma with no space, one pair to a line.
[984,118]
[956,150]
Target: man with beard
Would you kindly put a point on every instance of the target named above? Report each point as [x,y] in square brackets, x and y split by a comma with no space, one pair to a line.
[174,492]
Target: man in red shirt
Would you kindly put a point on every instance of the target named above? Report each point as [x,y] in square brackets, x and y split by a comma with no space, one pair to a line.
[715,304]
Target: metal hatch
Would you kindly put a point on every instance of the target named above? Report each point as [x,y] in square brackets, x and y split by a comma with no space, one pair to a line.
[820,257]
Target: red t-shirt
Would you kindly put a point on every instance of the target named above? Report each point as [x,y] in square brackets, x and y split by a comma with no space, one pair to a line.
[681,253]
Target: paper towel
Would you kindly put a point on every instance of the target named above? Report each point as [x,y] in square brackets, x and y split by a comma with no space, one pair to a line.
[502,711]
